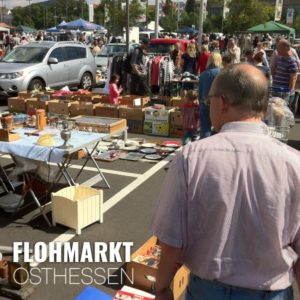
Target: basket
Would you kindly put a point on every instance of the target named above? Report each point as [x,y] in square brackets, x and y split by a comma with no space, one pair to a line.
[77,207]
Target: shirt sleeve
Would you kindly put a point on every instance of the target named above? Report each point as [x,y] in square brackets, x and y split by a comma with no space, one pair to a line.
[293,67]
[169,220]
[134,57]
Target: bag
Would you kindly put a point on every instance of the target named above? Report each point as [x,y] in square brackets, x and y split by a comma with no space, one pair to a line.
[126,64]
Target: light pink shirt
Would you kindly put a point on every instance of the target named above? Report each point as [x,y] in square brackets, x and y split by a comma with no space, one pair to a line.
[232,201]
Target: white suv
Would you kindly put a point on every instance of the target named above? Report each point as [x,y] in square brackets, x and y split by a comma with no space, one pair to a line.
[40,64]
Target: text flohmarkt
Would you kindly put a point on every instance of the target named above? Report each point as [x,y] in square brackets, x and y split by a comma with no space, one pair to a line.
[72,252]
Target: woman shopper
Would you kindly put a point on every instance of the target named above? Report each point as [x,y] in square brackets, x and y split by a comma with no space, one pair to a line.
[189,64]
[206,78]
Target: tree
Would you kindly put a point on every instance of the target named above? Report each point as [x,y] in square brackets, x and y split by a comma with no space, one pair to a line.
[190,6]
[297,23]
[245,14]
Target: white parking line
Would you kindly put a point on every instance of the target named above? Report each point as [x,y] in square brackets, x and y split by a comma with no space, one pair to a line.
[133,185]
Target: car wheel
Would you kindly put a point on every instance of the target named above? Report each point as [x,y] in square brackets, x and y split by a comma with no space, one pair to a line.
[36,85]
[86,81]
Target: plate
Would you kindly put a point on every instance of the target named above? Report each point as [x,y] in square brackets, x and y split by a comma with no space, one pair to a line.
[167,149]
[130,148]
[172,144]
[148,151]
[148,145]
[153,157]
[133,156]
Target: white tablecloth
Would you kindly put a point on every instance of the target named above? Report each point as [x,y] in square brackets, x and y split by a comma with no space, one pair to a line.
[26,146]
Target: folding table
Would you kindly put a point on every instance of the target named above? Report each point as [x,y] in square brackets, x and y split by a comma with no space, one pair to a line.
[27,147]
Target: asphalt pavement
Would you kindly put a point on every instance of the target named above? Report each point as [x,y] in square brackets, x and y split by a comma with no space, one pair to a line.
[128,206]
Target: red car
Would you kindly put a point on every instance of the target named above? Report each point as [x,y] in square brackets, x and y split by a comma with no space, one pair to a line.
[164,46]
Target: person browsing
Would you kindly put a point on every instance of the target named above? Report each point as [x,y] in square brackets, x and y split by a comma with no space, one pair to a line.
[114,90]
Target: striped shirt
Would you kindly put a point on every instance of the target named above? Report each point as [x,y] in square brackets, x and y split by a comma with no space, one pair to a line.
[286,66]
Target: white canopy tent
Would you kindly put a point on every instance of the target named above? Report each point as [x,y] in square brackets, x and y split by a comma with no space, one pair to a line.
[4,29]
[151,26]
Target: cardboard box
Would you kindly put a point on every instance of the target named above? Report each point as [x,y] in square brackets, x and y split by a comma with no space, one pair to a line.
[82,108]
[131,113]
[176,118]
[176,102]
[176,131]
[108,111]
[101,124]
[32,104]
[16,104]
[135,126]
[142,272]
[59,107]
[161,100]
[134,100]
[159,128]
[157,114]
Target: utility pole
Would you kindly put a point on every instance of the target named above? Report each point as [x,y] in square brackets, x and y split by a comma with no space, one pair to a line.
[156,17]
[127,26]
[2,7]
[200,32]
[29,9]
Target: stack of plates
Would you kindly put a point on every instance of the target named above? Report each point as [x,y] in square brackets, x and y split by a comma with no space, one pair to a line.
[148,145]
[148,151]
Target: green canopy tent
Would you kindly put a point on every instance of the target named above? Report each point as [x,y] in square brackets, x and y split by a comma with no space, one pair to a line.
[271,27]
[21,28]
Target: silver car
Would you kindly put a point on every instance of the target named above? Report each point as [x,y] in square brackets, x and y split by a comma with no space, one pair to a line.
[46,64]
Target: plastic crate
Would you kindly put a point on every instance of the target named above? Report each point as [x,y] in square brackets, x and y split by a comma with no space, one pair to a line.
[77,207]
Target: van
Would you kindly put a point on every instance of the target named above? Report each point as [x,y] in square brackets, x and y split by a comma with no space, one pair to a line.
[164,46]
[46,64]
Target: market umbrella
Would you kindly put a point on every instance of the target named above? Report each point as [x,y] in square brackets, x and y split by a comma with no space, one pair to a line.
[52,29]
[186,30]
[271,27]
[21,28]
[151,26]
[81,25]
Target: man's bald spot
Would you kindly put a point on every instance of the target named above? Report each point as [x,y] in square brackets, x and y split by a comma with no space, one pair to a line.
[283,43]
[244,86]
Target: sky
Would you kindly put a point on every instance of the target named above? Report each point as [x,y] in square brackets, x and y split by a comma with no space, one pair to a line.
[12,3]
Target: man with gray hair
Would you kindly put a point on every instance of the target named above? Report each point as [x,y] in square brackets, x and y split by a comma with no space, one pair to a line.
[224,210]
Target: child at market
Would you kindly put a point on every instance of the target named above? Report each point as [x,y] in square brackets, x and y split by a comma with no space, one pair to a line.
[190,113]
[114,90]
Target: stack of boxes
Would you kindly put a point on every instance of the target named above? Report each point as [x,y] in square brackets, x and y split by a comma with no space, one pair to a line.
[160,120]
[157,120]
[176,124]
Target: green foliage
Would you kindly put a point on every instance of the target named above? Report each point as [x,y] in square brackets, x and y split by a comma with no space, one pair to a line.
[168,7]
[190,6]
[245,14]
[51,13]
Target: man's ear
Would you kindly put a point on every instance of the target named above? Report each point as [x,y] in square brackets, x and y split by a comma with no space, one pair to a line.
[225,104]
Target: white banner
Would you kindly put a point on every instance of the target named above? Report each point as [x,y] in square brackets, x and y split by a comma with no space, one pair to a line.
[278,10]
[290,16]
[91,12]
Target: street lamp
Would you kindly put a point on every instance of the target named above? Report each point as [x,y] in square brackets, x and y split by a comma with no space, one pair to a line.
[29,9]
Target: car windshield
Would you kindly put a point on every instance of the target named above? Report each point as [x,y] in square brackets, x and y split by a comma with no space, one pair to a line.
[112,49]
[26,55]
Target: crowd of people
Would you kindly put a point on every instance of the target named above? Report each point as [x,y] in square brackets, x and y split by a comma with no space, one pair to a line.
[229,207]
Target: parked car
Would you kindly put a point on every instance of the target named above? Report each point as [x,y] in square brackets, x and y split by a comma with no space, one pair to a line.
[164,46]
[110,50]
[39,64]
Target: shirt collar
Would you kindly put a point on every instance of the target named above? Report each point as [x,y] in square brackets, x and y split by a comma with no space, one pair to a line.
[241,126]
